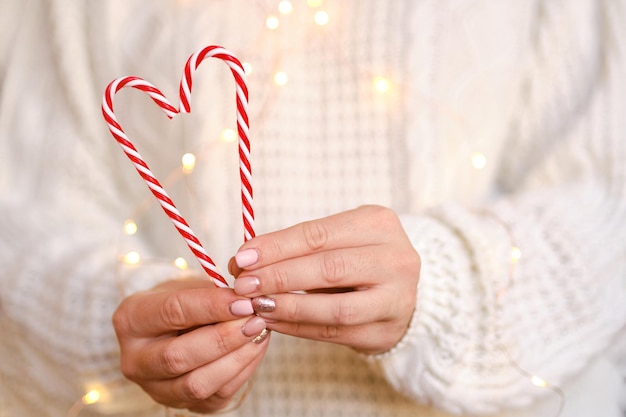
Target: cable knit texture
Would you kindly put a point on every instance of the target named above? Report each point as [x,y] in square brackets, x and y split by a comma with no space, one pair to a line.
[537,88]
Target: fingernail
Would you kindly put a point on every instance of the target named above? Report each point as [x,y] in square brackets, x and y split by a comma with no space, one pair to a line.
[246,285]
[263,304]
[261,337]
[241,308]
[253,326]
[246,257]
[233,269]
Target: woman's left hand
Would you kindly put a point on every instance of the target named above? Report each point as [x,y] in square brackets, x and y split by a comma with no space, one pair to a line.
[350,279]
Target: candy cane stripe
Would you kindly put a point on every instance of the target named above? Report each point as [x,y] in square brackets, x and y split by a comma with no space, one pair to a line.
[144,171]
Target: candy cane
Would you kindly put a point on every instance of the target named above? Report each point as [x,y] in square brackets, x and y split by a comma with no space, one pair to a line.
[184,107]
[245,171]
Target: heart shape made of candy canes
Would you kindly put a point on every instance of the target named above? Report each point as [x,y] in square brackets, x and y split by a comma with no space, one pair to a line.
[155,187]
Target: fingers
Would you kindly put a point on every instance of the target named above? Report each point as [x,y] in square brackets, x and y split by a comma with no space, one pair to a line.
[170,357]
[370,320]
[209,387]
[369,338]
[161,311]
[354,228]
[224,395]
[188,343]
[342,268]
[358,268]
[365,320]
[340,309]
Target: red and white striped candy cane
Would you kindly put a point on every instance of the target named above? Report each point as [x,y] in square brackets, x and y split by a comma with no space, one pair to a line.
[184,107]
[245,170]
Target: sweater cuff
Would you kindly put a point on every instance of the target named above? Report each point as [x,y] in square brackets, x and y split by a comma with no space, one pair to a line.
[407,366]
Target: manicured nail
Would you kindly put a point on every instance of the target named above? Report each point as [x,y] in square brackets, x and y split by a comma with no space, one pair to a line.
[246,285]
[261,337]
[246,257]
[233,268]
[241,308]
[254,326]
[263,304]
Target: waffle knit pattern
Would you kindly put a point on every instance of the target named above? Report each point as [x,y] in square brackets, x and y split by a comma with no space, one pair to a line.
[538,88]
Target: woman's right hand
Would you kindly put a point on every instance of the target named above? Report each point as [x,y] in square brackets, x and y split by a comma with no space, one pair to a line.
[189,344]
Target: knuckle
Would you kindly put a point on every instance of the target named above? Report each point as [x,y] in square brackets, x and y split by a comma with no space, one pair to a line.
[221,342]
[121,321]
[296,329]
[345,314]
[225,394]
[276,248]
[128,368]
[172,311]
[281,280]
[194,389]
[333,267]
[315,235]
[329,332]
[291,311]
[122,318]
[240,358]
[415,261]
[173,360]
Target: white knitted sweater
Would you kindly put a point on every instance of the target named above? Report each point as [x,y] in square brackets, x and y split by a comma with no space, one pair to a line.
[537,91]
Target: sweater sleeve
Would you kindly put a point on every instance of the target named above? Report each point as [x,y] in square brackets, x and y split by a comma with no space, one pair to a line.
[60,287]
[533,282]
[61,276]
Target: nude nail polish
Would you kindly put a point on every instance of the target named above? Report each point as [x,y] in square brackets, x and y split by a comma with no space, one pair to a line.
[241,308]
[254,326]
[246,285]
[246,257]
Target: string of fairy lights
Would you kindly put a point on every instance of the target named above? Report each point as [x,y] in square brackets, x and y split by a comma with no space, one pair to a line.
[515,258]
[98,393]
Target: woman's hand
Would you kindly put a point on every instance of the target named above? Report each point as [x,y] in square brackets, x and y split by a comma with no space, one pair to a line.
[358,270]
[188,343]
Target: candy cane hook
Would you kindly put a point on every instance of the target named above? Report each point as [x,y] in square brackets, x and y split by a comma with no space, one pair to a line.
[184,107]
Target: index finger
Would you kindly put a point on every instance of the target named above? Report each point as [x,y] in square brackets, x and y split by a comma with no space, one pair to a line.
[353,228]
[154,313]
